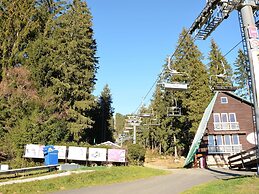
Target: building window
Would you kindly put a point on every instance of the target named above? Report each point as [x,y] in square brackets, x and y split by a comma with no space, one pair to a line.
[219,139]
[217,121]
[211,140]
[235,139]
[224,144]
[227,139]
[232,117]
[225,121]
[224,100]
[216,117]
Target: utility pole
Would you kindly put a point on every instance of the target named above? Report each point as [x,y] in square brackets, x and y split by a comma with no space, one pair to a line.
[210,18]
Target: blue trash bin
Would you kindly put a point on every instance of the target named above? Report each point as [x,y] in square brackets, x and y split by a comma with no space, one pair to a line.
[50,155]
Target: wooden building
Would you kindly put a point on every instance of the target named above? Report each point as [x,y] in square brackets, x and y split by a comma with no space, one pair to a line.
[226,128]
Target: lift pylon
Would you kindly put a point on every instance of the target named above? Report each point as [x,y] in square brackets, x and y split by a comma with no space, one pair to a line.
[247,9]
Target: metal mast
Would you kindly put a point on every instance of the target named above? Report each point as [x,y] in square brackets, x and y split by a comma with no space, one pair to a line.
[212,15]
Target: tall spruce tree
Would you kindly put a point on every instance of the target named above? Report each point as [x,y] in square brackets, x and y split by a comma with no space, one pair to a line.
[103,129]
[66,66]
[194,100]
[47,73]
[241,76]
[119,123]
[20,23]
[175,133]
[158,127]
[220,71]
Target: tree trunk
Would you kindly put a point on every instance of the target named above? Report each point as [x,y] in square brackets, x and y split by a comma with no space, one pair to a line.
[175,148]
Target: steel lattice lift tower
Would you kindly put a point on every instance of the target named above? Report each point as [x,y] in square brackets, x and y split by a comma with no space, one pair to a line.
[212,15]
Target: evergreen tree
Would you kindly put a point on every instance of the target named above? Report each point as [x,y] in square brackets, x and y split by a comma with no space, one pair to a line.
[119,123]
[20,23]
[220,71]
[67,65]
[103,129]
[47,73]
[174,134]
[194,100]
[106,114]
[241,76]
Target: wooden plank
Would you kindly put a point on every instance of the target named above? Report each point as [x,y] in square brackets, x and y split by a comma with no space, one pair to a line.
[244,159]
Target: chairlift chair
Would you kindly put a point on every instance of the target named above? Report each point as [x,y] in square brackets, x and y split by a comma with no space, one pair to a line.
[221,86]
[174,110]
[154,122]
[133,120]
[146,114]
[175,85]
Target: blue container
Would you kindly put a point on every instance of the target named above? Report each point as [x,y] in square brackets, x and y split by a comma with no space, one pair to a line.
[50,155]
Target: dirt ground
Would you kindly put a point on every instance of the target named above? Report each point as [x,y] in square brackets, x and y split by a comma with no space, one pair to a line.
[153,159]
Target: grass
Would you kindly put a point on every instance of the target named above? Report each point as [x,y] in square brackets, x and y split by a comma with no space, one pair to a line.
[240,185]
[99,177]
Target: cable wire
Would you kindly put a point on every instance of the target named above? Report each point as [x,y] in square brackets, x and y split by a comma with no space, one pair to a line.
[158,77]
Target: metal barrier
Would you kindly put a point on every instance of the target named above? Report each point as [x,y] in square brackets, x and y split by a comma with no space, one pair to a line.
[28,169]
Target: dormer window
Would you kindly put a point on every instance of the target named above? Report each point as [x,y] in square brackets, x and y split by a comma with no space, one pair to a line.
[224,100]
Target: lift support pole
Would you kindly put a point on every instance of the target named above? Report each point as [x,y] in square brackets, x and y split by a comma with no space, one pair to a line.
[251,34]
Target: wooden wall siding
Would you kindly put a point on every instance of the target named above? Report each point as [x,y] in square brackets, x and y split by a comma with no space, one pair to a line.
[243,116]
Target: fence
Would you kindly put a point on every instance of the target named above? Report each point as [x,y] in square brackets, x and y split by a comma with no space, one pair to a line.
[28,169]
[244,160]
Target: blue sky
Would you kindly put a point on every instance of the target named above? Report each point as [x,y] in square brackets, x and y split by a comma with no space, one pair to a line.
[134,37]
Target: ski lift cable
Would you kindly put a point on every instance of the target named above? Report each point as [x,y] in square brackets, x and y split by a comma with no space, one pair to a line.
[158,77]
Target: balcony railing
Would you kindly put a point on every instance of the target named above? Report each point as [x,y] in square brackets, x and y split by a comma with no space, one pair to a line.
[224,149]
[226,126]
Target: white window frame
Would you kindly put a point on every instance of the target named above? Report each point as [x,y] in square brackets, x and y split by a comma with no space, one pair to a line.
[230,139]
[225,116]
[225,121]
[224,148]
[232,113]
[221,137]
[213,138]
[224,100]
[238,143]
[219,117]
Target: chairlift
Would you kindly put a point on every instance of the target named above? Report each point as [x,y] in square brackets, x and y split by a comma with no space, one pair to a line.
[223,77]
[151,119]
[146,114]
[174,110]
[175,85]
[133,120]
[128,128]
[154,122]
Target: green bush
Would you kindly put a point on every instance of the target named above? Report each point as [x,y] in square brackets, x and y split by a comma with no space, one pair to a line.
[136,154]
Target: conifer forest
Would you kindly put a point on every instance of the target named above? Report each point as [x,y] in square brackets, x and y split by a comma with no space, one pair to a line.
[48,72]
